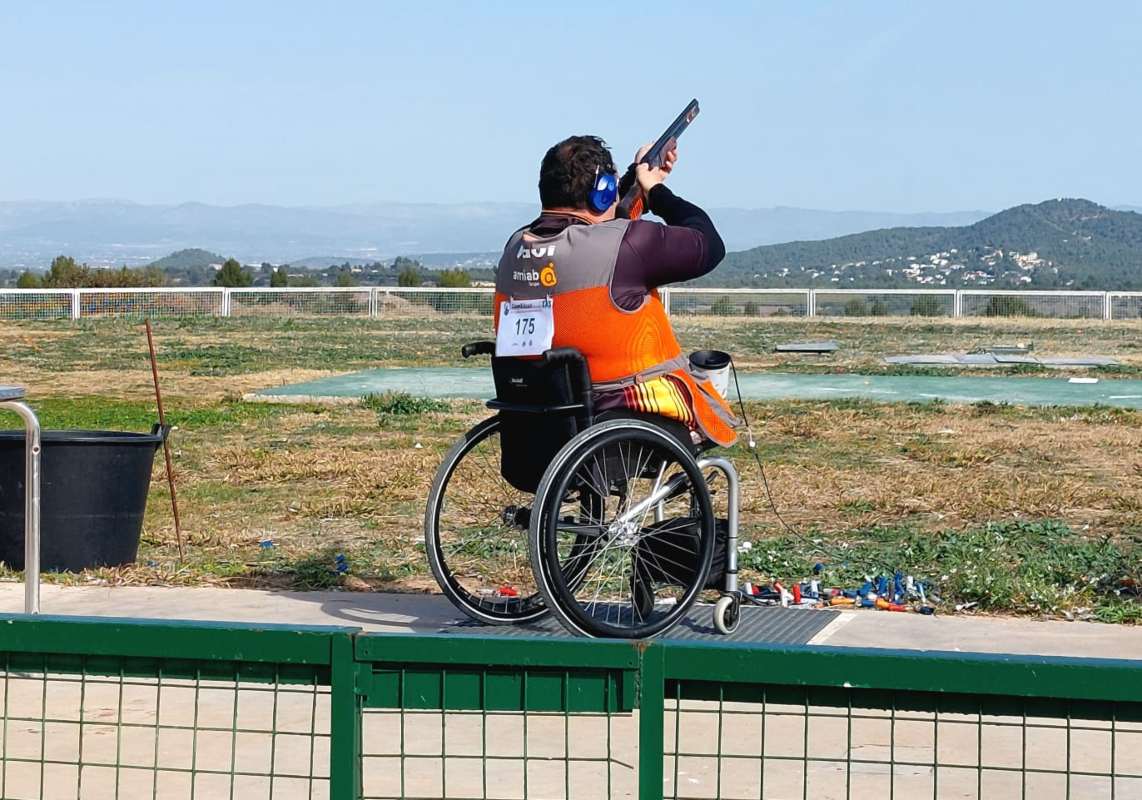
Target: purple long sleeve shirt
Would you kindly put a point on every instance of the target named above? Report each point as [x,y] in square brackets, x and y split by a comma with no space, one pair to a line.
[652,255]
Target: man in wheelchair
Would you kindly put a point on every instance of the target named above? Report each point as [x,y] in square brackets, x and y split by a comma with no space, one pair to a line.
[595,280]
[600,481]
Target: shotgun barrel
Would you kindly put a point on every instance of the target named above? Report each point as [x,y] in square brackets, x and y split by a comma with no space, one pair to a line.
[633,203]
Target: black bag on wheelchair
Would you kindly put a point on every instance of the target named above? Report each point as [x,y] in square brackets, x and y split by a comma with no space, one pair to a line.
[668,553]
[531,434]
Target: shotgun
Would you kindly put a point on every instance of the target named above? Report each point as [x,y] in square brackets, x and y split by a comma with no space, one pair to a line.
[633,203]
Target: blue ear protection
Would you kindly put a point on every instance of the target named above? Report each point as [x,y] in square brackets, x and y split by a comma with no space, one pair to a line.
[604,191]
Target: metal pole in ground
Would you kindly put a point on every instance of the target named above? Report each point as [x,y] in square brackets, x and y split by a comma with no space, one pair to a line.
[10,398]
[166,442]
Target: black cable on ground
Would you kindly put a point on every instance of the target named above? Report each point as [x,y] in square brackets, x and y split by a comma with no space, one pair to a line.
[757,458]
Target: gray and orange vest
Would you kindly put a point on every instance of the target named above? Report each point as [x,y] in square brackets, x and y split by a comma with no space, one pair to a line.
[634,352]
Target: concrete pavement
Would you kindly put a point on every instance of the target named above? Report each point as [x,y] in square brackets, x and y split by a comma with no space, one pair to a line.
[402,613]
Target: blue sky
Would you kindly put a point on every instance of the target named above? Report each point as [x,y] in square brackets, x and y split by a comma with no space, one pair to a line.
[898,106]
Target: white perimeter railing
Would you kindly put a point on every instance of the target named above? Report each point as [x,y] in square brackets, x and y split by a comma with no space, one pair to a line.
[391,302]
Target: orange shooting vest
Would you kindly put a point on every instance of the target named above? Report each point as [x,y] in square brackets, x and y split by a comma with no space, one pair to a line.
[630,351]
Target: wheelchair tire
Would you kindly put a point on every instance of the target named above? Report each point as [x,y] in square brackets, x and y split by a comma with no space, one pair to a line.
[476,534]
[602,571]
[727,614]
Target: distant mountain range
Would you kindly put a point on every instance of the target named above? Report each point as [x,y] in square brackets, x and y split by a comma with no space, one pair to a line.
[1056,244]
[1067,243]
[117,232]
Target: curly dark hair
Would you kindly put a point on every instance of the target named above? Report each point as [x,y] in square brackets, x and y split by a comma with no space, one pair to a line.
[568,171]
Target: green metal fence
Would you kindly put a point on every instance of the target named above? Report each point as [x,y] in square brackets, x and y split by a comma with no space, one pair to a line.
[132,709]
[846,723]
[127,709]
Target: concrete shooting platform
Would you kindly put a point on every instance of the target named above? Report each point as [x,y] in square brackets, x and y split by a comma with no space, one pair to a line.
[422,613]
[476,384]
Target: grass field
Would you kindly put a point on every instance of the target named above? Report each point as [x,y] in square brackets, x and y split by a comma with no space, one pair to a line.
[1015,509]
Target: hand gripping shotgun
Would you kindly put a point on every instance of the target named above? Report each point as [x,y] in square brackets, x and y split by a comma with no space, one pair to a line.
[633,203]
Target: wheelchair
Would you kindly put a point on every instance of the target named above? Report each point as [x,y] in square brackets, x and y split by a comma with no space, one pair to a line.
[608,524]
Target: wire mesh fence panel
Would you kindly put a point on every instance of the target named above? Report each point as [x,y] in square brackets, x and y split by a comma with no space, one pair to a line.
[299,302]
[834,744]
[418,302]
[414,303]
[1125,305]
[1059,305]
[150,302]
[884,303]
[501,720]
[738,303]
[28,304]
[497,755]
[131,728]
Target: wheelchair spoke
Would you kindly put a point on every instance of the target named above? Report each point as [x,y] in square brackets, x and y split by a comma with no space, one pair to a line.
[653,492]
[627,533]
[480,544]
[612,575]
[670,578]
[494,469]
[593,531]
[612,565]
[589,480]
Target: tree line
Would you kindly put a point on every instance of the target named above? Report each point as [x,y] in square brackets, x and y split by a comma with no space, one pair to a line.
[66,273]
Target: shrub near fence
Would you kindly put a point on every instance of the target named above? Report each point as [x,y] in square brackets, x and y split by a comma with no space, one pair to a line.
[42,304]
[1066,305]
[127,709]
[150,303]
[29,304]
[295,302]
[885,303]
[415,302]
[737,303]
[1125,305]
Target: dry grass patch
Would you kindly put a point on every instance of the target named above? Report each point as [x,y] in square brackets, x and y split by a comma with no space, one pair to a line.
[271,495]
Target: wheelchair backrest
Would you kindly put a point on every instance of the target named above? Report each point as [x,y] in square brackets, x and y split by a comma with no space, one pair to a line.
[529,394]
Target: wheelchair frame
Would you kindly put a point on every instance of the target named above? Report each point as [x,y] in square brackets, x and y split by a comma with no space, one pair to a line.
[726,610]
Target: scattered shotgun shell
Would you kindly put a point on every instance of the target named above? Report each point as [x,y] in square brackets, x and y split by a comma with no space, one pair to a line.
[786,598]
[885,605]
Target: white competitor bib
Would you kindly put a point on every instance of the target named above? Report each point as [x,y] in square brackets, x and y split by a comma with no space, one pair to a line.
[526,327]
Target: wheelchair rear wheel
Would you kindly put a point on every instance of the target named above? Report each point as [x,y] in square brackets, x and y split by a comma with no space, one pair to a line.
[476,533]
[622,531]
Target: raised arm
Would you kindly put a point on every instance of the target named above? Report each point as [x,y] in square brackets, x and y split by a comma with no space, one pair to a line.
[686,247]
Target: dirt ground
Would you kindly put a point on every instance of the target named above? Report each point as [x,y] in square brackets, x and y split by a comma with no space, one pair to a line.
[270,495]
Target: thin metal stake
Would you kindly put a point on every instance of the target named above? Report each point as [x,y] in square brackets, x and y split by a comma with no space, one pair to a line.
[166,443]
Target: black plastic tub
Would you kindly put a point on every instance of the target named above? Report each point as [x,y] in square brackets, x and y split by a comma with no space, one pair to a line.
[93,492]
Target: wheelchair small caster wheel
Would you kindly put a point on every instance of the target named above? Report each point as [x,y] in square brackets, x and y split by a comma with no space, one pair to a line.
[727,614]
